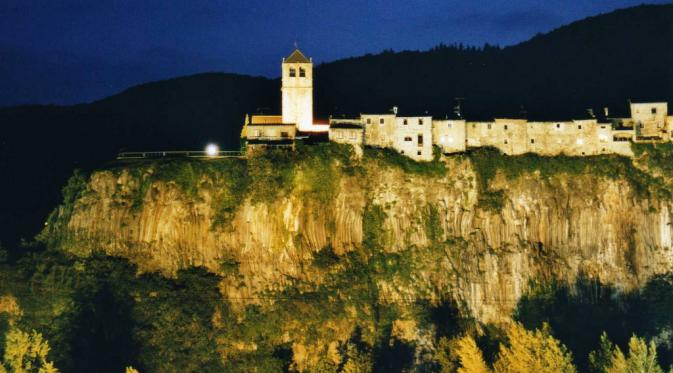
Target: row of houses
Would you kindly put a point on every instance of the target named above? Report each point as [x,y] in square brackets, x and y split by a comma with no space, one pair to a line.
[414,136]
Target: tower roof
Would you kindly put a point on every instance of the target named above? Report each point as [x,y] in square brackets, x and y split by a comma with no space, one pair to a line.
[297,57]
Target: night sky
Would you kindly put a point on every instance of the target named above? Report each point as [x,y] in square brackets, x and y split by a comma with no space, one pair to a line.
[75,51]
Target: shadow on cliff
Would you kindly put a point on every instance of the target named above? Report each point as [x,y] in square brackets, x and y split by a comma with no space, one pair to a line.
[578,314]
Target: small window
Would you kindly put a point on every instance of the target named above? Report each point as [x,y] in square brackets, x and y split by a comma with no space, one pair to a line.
[474,125]
[284,134]
[405,122]
[505,127]
[505,141]
[420,140]
[369,120]
[419,152]
[293,72]
[602,127]
[558,125]
[420,121]
[582,153]
[654,110]
[448,125]
[579,126]
[407,138]
[381,121]
[532,141]
[401,151]
[302,72]
[489,126]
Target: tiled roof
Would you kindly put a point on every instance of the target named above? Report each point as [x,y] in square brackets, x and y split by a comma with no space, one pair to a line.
[266,119]
[297,57]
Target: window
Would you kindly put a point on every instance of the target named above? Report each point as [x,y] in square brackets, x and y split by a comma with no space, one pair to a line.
[401,151]
[293,72]
[474,125]
[505,127]
[489,126]
[420,121]
[420,140]
[284,134]
[448,125]
[505,141]
[381,121]
[532,141]
[654,110]
[407,138]
[405,122]
[602,127]
[579,126]
[558,125]
[369,120]
[302,72]
[419,152]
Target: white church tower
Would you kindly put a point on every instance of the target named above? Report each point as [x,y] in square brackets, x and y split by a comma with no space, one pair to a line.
[297,91]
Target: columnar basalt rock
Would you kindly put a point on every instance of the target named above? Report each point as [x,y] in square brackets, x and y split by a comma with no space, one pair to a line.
[558,227]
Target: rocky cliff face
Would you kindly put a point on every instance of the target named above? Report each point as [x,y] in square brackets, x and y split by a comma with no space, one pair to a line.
[546,226]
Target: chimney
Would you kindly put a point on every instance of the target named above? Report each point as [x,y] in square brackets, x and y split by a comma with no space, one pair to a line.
[395,110]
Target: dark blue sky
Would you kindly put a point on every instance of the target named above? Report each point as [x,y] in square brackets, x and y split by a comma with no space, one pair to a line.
[73,51]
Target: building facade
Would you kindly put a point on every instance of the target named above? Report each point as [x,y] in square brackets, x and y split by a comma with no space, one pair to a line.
[415,136]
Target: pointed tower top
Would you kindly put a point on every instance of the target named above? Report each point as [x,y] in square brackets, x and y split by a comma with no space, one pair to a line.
[297,57]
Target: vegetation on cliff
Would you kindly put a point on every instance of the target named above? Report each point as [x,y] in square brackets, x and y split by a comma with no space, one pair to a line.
[383,306]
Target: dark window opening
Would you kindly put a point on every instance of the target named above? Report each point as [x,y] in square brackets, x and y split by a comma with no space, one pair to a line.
[532,141]
[381,121]
[489,126]
[405,122]
[293,72]
[558,125]
[408,138]
[369,120]
[420,140]
[505,141]
[420,122]
[284,134]
[419,152]
[654,110]
[302,72]
[579,126]
[505,127]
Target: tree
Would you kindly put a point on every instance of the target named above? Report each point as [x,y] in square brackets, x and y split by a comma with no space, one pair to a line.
[532,351]
[357,361]
[601,358]
[641,358]
[26,353]
[471,358]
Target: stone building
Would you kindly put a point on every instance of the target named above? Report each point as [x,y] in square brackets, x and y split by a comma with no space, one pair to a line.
[263,131]
[650,121]
[415,136]
[412,136]
[346,131]
[297,91]
[449,135]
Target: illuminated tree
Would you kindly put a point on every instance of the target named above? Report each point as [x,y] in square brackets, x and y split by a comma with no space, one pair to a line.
[26,353]
[532,351]
[641,358]
[471,358]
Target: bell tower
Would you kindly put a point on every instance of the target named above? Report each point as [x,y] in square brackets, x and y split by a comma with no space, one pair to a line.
[297,90]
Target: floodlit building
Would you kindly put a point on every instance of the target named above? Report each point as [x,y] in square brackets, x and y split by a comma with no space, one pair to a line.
[415,136]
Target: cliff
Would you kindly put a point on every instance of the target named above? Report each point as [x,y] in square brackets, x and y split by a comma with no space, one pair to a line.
[475,229]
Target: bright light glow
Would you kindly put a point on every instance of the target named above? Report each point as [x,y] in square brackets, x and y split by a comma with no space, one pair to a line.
[580,141]
[602,137]
[442,139]
[450,139]
[212,150]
